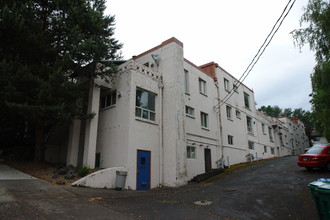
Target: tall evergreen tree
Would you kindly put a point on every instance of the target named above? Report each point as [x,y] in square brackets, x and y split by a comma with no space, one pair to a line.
[317,35]
[273,111]
[304,116]
[48,50]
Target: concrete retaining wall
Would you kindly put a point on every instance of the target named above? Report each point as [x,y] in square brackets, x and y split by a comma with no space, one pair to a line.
[105,178]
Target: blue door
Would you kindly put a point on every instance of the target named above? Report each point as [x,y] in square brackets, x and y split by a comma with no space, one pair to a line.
[143,170]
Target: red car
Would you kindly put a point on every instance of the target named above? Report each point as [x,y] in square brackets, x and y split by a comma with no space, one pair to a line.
[316,157]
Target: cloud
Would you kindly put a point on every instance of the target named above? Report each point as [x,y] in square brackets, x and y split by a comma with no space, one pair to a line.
[228,33]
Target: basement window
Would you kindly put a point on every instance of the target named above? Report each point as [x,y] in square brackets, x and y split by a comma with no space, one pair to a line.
[251,145]
[191,152]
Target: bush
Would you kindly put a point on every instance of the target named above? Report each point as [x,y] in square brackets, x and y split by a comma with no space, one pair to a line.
[83,171]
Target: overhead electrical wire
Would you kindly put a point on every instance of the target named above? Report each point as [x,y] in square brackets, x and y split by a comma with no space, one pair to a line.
[261,50]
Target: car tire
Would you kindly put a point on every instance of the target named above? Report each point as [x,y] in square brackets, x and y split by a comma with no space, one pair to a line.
[309,168]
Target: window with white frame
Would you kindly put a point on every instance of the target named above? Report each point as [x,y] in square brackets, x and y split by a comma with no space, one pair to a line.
[265,149]
[108,100]
[246,100]
[238,114]
[191,152]
[145,105]
[202,86]
[186,81]
[230,140]
[228,111]
[263,128]
[235,87]
[190,111]
[272,150]
[226,84]
[251,145]
[249,124]
[270,131]
[204,120]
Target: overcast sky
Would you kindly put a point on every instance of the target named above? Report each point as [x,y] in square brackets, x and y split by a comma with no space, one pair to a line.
[228,33]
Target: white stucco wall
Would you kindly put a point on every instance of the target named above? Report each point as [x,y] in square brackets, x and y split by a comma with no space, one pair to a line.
[264,139]
[112,141]
[120,134]
[171,67]
[236,126]
[144,134]
[105,178]
[196,135]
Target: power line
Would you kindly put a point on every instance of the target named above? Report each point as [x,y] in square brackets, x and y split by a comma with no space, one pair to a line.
[261,50]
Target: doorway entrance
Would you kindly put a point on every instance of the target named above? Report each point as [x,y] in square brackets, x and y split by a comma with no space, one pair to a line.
[207,158]
[143,170]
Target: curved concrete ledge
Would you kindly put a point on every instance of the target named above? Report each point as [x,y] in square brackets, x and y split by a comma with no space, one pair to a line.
[105,178]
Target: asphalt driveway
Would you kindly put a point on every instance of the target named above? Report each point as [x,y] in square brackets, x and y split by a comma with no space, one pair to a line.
[25,197]
[274,189]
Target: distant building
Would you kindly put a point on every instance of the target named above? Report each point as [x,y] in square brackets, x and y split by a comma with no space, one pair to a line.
[297,138]
[165,120]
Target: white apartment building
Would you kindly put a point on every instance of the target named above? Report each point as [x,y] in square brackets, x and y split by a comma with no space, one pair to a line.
[165,120]
[296,136]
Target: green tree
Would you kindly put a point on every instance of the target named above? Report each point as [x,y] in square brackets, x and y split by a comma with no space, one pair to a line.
[317,35]
[272,111]
[49,51]
[304,116]
[287,112]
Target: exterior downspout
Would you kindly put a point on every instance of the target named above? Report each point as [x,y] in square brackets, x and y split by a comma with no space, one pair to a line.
[161,144]
[221,161]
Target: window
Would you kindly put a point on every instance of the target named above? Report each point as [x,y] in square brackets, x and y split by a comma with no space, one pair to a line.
[238,114]
[235,87]
[190,111]
[249,124]
[246,100]
[186,81]
[263,128]
[202,86]
[270,131]
[230,140]
[272,150]
[204,119]
[265,149]
[251,145]
[226,84]
[290,128]
[145,105]
[191,152]
[281,140]
[108,100]
[228,110]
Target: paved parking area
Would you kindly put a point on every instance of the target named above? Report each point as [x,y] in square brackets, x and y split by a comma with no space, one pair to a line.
[25,197]
[274,189]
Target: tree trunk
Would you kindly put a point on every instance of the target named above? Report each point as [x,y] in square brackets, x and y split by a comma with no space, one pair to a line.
[38,149]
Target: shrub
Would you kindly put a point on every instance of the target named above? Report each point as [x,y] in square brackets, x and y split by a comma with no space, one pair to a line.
[83,171]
